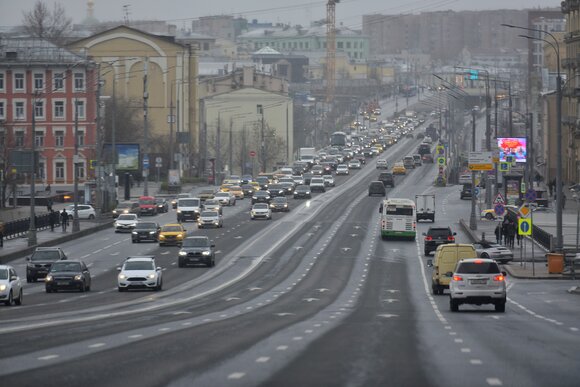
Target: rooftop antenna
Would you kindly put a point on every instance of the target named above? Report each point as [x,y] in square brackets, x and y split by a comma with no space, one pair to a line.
[126,13]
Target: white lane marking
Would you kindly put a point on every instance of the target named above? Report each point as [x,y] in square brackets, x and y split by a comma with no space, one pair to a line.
[48,357]
[97,251]
[385,315]
[494,382]
[262,359]
[186,323]
[97,345]
[458,340]
[574,329]
[308,331]
[164,329]
[281,348]
[532,313]
[85,256]
[113,254]
[134,336]
[297,338]
[165,253]
[466,350]
[236,375]
[475,361]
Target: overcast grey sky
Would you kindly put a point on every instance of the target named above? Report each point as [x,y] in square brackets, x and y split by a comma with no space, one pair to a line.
[181,12]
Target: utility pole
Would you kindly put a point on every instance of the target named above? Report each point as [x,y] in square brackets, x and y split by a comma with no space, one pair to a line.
[145,132]
[113,138]
[218,156]
[99,167]
[75,224]
[32,226]
[262,143]
[473,218]
[487,138]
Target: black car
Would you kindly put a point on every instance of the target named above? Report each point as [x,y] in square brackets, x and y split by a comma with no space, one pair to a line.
[302,192]
[248,190]
[277,190]
[279,204]
[466,192]
[377,188]
[195,250]
[288,187]
[263,181]
[162,205]
[68,275]
[261,197]
[387,179]
[436,236]
[145,231]
[41,260]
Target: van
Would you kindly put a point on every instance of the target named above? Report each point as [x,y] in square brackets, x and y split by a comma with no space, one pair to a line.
[409,162]
[188,209]
[446,258]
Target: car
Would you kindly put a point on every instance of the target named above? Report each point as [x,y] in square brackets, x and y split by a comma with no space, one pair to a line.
[125,208]
[263,181]
[298,179]
[162,205]
[307,177]
[489,214]
[399,169]
[41,260]
[288,187]
[488,249]
[317,184]
[237,191]
[342,169]
[172,234]
[317,169]
[382,164]
[213,204]
[261,197]
[188,209]
[147,206]
[68,275]
[10,286]
[328,180]
[409,162]
[260,211]
[248,190]
[196,249]
[226,198]
[279,204]
[145,231]
[139,272]
[387,179]
[377,188]
[436,236]
[277,189]
[206,194]
[302,192]
[354,164]
[245,179]
[465,192]
[225,187]
[477,281]
[125,222]
[210,218]
[179,196]
[427,158]
[84,211]
[418,160]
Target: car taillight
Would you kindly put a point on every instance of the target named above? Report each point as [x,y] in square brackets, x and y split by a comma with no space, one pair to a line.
[457,278]
[450,238]
[428,238]
[499,278]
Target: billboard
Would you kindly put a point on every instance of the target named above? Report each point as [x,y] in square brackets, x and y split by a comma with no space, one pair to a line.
[127,156]
[512,146]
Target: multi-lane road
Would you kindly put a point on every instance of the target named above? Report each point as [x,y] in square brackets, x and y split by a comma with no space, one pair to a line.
[313,297]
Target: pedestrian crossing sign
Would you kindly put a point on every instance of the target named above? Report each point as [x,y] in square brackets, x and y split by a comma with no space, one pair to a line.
[504,166]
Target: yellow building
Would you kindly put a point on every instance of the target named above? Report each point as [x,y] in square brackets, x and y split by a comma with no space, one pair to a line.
[125,55]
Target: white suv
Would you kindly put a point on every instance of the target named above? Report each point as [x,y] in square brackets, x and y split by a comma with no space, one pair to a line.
[477,281]
[317,184]
[139,273]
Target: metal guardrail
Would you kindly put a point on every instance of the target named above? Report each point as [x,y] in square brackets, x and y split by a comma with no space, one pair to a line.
[543,238]
[18,228]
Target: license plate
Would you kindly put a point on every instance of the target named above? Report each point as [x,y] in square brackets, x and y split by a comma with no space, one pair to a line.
[478,281]
[62,282]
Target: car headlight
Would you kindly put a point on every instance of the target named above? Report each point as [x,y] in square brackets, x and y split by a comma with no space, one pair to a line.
[150,232]
[151,276]
[182,253]
[125,211]
[272,205]
[2,287]
[116,224]
[114,211]
[179,235]
[285,205]
[78,277]
[122,276]
[206,253]
[178,211]
[30,265]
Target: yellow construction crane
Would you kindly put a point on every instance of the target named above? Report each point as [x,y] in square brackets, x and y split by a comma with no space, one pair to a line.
[330,49]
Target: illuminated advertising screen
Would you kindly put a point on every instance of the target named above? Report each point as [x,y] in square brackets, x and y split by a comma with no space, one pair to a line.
[514,147]
[127,156]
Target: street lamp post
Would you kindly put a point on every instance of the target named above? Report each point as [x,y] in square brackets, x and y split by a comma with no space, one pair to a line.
[75,223]
[473,217]
[556,47]
[32,240]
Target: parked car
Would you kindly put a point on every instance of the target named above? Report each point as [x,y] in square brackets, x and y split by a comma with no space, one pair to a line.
[68,275]
[125,222]
[145,231]
[41,260]
[139,272]
[85,211]
[196,249]
[488,249]
[10,286]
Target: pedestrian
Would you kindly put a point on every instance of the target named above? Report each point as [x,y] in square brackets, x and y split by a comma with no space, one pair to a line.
[551,188]
[563,200]
[49,205]
[512,233]
[497,233]
[1,234]
[64,219]
[48,189]
[52,219]
[519,238]
[504,231]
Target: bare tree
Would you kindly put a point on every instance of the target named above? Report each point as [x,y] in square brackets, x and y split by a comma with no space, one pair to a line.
[42,23]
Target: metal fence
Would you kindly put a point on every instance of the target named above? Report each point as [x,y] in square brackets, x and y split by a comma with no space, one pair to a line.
[18,228]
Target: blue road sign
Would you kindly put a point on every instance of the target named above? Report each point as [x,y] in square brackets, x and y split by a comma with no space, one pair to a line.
[145,162]
[476,191]
[531,195]
[524,226]
[499,209]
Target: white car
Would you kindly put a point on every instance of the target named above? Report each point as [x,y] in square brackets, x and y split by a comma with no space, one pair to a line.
[382,164]
[10,286]
[328,180]
[477,281]
[225,198]
[139,273]
[210,218]
[260,210]
[342,169]
[354,164]
[85,211]
[317,184]
[125,222]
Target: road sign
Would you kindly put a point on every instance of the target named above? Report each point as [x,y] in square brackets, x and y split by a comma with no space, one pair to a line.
[440,150]
[499,199]
[524,211]
[252,153]
[476,191]
[480,161]
[531,195]
[504,166]
[440,170]
[524,226]
[145,162]
[499,209]
[440,160]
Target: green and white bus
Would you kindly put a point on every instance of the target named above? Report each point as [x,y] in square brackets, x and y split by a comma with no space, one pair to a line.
[398,219]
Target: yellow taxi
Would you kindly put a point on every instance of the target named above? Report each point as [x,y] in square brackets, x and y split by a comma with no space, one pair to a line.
[399,169]
[373,119]
[172,234]
[237,191]
[379,147]
[255,184]
[226,187]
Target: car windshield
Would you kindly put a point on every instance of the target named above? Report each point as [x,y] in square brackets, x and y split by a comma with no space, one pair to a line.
[139,265]
[127,217]
[196,242]
[477,268]
[172,229]
[147,201]
[188,202]
[124,205]
[260,206]
[159,201]
[280,200]
[209,214]
[439,232]
[3,274]
[146,226]
[66,266]
[50,255]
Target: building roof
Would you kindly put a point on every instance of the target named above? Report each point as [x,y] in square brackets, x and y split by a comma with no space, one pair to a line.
[297,31]
[35,50]
[266,51]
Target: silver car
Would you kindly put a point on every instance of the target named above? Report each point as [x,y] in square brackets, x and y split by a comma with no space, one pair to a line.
[10,286]
[260,211]
[210,219]
[477,281]
[487,249]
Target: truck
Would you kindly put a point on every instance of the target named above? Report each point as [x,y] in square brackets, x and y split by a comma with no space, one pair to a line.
[425,205]
[307,154]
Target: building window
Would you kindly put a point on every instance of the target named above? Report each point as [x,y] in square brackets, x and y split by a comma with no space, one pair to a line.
[19,111]
[80,167]
[324,45]
[19,138]
[339,45]
[2,81]
[58,81]
[301,45]
[347,44]
[41,173]
[19,81]
[306,45]
[2,110]
[38,81]
[206,46]
[355,45]
[58,111]
[81,138]
[79,79]
[39,109]
[59,170]
[39,138]
[80,109]
[59,138]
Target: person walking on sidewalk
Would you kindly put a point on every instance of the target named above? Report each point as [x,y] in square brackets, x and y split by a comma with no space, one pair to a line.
[64,219]
[512,228]
[52,219]
[504,231]
[1,234]
[497,233]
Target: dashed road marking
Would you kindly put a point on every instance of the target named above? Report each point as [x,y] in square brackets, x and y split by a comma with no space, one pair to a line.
[97,345]
[236,375]
[262,359]
[134,336]
[475,361]
[281,348]
[48,357]
[494,382]
[466,350]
